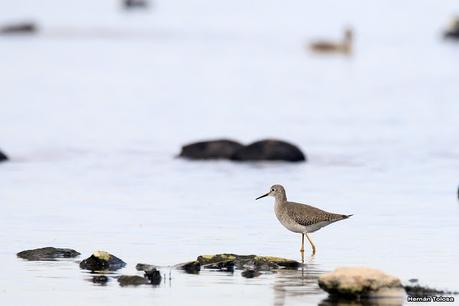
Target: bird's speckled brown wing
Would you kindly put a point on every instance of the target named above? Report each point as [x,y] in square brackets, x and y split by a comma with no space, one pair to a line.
[308,215]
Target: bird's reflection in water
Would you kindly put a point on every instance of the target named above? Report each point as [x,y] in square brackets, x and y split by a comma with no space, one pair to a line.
[304,282]
[297,282]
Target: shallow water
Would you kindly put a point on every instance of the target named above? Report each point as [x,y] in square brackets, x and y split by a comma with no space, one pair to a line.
[95,108]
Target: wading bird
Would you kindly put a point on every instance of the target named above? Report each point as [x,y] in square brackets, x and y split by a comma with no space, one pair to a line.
[300,218]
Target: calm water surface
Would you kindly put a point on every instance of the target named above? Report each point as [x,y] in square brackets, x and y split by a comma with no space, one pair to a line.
[95,108]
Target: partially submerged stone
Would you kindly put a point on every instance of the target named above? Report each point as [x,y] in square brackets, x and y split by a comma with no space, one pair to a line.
[417,290]
[47,253]
[212,149]
[263,150]
[145,267]
[132,280]
[279,261]
[100,279]
[191,267]
[360,282]
[453,31]
[19,28]
[101,260]
[135,4]
[227,265]
[269,149]
[260,263]
[3,157]
[250,273]
[154,276]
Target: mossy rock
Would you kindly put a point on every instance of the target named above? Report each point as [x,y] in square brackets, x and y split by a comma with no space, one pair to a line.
[260,263]
[211,259]
[227,265]
[101,261]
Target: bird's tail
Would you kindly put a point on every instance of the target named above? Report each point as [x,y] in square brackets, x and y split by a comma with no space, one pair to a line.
[347,216]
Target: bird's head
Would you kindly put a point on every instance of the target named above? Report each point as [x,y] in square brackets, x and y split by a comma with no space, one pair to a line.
[276,191]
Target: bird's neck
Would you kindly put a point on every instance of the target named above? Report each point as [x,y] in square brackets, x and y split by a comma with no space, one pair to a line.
[280,200]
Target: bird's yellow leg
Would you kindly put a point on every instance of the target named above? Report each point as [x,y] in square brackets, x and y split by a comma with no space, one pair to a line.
[302,243]
[312,244]
[302,248]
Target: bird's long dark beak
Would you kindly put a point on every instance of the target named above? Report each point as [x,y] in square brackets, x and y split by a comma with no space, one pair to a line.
[265,195]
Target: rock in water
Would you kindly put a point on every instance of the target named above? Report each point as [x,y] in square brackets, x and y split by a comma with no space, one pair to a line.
[250,273]
[19,28]
[145,267]
[101,260]
[227,265]
[360,282]
[100,279]
[260,263]
[214,149]
[131,4]
[48,253]
[269,149]
[192,267]
[417,290]
[3,157]
[154,276]
[132,280]
[453,31]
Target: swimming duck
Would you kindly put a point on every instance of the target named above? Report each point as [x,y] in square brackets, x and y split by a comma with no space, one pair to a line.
[345,46]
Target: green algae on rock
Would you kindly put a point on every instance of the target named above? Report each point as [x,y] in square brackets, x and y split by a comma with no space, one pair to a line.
[260,263]
[101,260]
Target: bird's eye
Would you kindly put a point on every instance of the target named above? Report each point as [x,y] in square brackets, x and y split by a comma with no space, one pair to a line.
[272,189]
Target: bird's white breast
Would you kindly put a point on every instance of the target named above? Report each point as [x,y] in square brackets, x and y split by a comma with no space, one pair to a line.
[288,222]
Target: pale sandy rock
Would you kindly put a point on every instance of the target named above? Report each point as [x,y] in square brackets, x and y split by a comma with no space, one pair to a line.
[359,281]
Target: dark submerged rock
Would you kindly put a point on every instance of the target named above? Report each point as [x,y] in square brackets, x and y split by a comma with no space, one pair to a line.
[101,261]
[214,149]
[100,279]
[19,28]
[453,31]
[227,266]
[154,276]
[192,267]
[260,263]
[250,273]
[133,4]
[269,149]
[145,267]
[48,253]
[417,290]
[3,157]
[132,280]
